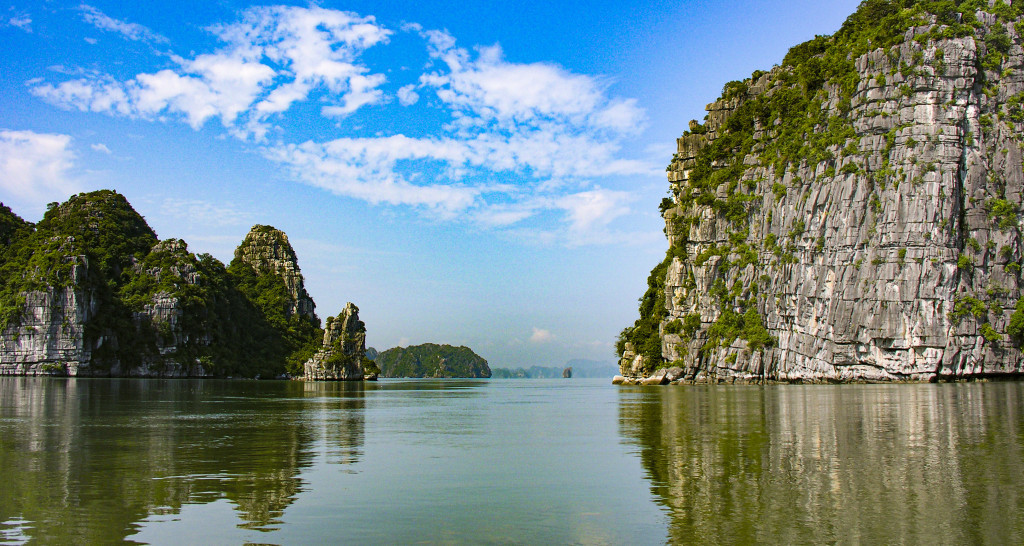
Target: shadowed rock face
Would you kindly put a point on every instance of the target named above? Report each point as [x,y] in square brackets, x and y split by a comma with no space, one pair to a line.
[344,349]
[267,250]
[864,226]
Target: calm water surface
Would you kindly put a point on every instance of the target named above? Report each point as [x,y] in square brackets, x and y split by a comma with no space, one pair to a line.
[508,461]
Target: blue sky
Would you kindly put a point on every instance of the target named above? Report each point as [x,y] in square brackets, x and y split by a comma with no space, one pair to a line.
[478,173]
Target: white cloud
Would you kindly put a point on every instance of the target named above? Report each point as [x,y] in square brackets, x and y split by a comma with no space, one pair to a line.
[537,123]
[34,166]
[364,169]
[318,47]
[541,336]
[594,209]
[489,88]
[407,95]
[273,57]
[100,147]
[521,140]
[22,21]
[131,31]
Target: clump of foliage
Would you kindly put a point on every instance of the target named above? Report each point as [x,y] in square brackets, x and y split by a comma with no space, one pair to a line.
[1002,212]
[732,325]
[1016,327]
[644,335]
[967,305]
[989,333]
[12,227]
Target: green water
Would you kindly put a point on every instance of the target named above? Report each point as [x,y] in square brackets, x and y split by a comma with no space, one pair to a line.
[508,461]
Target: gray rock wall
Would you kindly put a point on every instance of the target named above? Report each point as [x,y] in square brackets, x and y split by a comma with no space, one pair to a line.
[50,338]
[889,262]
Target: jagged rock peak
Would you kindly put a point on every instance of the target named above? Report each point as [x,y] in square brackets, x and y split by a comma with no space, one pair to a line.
[267,250]
[853,214]
[346,328]
[342,357]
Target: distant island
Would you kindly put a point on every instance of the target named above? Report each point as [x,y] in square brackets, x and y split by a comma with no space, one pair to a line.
[431,360]
[91,291]
[576,368]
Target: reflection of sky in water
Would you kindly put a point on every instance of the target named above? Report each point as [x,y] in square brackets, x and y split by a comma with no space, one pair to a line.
[13,531]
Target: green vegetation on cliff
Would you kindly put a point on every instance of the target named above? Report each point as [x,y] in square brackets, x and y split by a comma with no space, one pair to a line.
[96,236]
[291,336]
[799,117]
[156,302]
[431,360]
[12,227]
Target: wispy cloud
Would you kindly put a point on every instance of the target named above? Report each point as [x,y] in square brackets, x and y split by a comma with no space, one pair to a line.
[520,139]
[131,31]
[197,211]
[594,209]
[537,121]
[541,336]
[21,20]
[488,88]
[34,167]
[100,147]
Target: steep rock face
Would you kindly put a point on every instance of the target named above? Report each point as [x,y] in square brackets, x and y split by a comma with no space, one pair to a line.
[342,357]
[267,250]
[51,336]
[853,214]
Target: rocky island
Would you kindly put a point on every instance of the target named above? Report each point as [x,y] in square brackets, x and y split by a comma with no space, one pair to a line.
[91,291]
[853,214]
[432,360]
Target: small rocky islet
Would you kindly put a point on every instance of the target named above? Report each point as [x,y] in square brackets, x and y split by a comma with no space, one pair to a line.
[852,214]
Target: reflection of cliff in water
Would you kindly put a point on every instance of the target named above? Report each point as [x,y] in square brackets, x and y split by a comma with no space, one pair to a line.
[342,412]
[86,460]
[816,464]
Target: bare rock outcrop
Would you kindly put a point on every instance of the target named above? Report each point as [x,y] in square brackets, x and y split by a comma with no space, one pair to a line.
[342,357]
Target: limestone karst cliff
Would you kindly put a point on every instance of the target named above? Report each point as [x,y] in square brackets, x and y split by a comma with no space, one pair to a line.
[268,251]
[343,356]
[852,214]
[90,291]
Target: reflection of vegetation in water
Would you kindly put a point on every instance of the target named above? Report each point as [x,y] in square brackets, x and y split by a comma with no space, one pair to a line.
[86,460]
[894,463]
